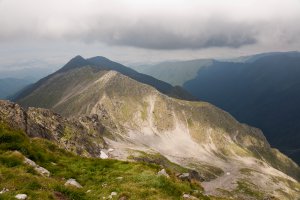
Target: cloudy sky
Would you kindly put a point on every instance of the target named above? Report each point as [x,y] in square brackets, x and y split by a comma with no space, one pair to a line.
[49,32]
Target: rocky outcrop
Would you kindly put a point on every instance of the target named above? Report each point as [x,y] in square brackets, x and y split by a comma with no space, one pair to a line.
[83,135]
[191,175]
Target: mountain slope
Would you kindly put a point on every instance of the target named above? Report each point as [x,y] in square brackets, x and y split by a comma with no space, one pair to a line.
[10,86]
[98,177]
[228,155]
[101,63]
[261,90]
[264,93]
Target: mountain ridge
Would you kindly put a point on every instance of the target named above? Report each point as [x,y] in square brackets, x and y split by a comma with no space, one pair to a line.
[261,90]
[102,63]
[192,134]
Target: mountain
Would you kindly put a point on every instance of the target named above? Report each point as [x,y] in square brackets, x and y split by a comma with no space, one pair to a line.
[37,159]
[10,86]
[175,72]
[101,63]
[261,90]
[253,58]
[234,160]
[31,70]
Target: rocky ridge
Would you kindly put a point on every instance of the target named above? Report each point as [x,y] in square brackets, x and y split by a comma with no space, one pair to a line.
[83,136]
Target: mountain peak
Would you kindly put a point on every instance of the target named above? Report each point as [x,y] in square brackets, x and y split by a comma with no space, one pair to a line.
[98,58]
[77,59]
[76,62]
[103,61]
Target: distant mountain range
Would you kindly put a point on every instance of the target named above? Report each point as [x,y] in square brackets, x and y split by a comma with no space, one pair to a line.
[10,86]
[262,90]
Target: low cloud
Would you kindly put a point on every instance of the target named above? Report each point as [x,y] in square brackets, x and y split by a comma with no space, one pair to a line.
[155,25]
[150,35]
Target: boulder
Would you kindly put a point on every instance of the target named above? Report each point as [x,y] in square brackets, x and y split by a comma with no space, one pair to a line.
[73,182]
[185,176]
[42,171]
[163,173]
[103,155]
[195,175]
[4,190]
[187,196]
[112,195]
[21,196]
[191,175]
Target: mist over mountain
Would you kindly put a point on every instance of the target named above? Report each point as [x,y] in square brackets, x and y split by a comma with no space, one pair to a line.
[261,90]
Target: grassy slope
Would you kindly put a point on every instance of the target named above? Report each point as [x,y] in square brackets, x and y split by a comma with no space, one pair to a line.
[139,179]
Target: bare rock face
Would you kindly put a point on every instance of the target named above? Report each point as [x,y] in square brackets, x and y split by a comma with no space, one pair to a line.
[13,115]
[83,135]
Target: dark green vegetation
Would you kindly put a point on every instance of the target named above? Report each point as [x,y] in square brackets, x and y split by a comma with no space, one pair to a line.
[10,86]
[100,176]
[261,90]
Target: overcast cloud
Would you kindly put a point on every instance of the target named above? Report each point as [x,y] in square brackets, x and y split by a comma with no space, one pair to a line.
[129,30]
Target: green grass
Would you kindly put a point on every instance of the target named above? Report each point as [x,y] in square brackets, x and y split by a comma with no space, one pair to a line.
[248,189]
[157,159]
[100,176]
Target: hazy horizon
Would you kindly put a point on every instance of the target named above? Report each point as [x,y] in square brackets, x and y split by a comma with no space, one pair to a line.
[46,34]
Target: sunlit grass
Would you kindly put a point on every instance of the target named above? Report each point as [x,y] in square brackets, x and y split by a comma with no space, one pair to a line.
[101,177]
